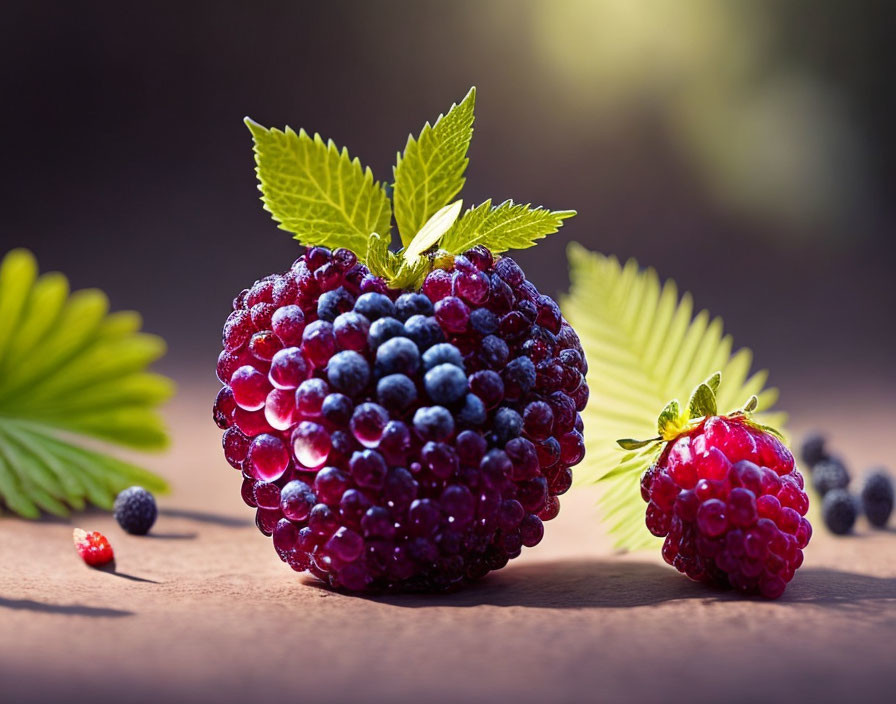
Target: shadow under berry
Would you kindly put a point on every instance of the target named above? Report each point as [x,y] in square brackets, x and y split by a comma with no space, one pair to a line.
[610,583]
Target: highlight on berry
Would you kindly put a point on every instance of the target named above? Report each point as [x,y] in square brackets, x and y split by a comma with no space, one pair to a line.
[402,420]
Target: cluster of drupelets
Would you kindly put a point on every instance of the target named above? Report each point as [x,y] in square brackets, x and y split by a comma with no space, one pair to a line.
[731,506]
[401,440]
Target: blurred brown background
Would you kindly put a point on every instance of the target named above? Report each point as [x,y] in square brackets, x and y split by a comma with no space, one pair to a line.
[744,149]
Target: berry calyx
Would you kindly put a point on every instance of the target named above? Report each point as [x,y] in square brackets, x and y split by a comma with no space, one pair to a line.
[725,494]
[93,547]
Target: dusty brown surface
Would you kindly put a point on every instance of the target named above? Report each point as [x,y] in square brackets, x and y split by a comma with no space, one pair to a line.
[204,611]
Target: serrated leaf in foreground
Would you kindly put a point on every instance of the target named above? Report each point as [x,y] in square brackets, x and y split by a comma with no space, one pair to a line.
[644,346]
[70,369]
[506,226]
[430,173]
[317,192]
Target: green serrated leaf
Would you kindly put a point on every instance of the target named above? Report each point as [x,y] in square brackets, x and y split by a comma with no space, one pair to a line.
[644,345]
[317,192]
[71,369]
[432,231]
[752,404]
[505,226]
[430,173]
[669,420]
[702,402]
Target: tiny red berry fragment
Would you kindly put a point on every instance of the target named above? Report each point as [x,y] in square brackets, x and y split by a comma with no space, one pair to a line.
[94,547]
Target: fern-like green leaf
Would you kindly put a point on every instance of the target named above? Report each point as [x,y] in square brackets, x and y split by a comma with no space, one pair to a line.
[644,347]
[70,369]
[317,192]
[430,173]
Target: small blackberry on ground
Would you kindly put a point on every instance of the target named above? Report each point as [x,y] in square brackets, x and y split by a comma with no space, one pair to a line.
[402,455]
[828,475]
[135,510]
[839,510]
[877,497]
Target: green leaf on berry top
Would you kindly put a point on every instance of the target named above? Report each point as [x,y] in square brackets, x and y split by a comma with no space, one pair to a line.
[505,226]
[318,192]
[645,345]
[69,369]
[326,198]
[430,173]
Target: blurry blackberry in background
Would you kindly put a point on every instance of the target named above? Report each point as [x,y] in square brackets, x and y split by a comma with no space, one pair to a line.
[839,511]
[877,497]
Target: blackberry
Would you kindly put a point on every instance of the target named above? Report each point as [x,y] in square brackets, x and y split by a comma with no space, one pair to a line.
[839,510]
[135,510]
[813,450]
[877,497]
[828,475]
[400,440]
[731,505]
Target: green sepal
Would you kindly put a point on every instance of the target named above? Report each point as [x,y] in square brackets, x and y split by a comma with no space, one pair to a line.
[380,259]
[702,402]
[398,272]
[631,444]
[669,420]
[410,275]
[768,429]
[714,381]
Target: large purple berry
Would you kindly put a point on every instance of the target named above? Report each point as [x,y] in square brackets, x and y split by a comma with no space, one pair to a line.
[401,440]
